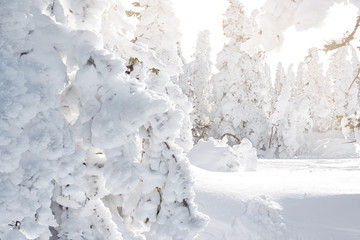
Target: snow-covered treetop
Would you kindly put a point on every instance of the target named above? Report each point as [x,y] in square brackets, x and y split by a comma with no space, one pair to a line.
[238,26]
[158,30]
[203,48]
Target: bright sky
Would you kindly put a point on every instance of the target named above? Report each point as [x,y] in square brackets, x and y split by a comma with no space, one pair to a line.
[198,15]
[341,18]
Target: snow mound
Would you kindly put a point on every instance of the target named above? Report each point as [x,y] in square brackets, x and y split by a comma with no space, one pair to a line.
[247,154]
[215,155]
[234,218]
[261,220]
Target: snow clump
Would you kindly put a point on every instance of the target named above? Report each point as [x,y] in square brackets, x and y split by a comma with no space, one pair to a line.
[247,154]
[217,155]
[262,219]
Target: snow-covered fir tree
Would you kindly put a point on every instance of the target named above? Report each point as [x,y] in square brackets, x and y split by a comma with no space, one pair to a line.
[133,180]
[288,116]
[148,198]
[317,88]
[195,84]
[301,100]
[352,128]
[279,83]
[345,98]
[295,115]
[355,63]
[240,89]
[278,117]
[346,104]
[158,30]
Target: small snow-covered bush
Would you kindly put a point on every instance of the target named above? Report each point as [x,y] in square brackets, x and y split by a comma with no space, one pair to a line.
[262,219]
[217,155]
[214,155]
[350,126]
[247,155]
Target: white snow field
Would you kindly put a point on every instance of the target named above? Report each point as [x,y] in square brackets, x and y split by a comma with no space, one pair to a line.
[303,199]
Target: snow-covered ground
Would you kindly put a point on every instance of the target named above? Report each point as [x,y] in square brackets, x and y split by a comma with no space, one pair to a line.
[284,199]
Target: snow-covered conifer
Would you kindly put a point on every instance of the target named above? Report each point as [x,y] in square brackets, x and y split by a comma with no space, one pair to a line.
[158,30]
[287,116]
[345,99]
[302,101]
[195,84]
[128,189]
[131,131]
[350,126]
[355,62]
[280,101]
[280,80]
[240,88]
[290,117]
[317,88]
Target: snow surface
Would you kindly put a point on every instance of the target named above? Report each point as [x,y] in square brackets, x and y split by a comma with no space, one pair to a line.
[305,199]
[317,198]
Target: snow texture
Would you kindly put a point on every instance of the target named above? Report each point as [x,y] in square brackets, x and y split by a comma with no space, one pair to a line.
[38,150]
[284,199]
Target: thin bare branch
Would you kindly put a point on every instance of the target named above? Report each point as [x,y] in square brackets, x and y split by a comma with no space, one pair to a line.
[357,77]
[231,135]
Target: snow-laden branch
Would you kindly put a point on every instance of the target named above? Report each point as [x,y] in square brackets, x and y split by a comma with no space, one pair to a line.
[333,45]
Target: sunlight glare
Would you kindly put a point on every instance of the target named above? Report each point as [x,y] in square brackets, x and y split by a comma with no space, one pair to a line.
[341,18]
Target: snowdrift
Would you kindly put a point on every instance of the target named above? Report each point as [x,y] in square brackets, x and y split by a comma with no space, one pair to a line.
[217,155]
